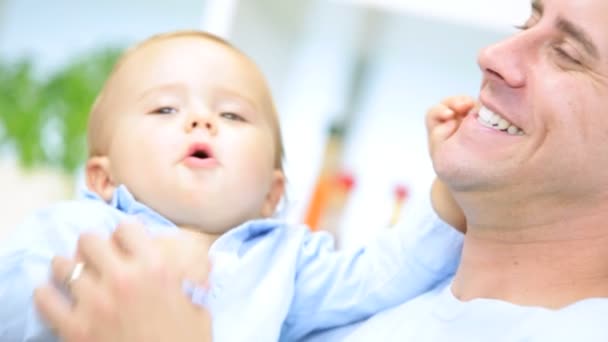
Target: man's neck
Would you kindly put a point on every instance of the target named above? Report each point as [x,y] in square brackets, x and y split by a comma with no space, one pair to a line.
[550,265]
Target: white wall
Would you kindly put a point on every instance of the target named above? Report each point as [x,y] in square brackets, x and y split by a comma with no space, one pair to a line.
[493,15]
[53,31]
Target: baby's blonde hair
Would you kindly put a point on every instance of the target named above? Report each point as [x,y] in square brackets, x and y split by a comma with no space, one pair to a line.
[98,133]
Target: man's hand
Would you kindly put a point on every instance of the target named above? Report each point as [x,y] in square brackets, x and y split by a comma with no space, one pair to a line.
[187,253]
[127,291]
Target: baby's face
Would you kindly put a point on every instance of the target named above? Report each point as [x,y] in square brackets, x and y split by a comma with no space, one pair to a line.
[192,135]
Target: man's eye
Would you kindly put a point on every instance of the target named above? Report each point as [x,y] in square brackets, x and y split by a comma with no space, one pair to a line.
[564,55]
[231,116]
[164,110]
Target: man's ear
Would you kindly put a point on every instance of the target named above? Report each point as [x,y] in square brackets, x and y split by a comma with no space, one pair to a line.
[277,190]
[99,179]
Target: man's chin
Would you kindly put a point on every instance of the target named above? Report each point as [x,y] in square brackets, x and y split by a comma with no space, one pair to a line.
[457,174]
[447,160]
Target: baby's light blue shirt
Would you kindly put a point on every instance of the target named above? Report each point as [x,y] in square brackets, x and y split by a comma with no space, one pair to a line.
[271,281]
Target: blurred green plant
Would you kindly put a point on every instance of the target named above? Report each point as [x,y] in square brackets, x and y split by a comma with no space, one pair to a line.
[43,120]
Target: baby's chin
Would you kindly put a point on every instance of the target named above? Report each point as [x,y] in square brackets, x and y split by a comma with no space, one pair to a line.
[202,230]
[210,223]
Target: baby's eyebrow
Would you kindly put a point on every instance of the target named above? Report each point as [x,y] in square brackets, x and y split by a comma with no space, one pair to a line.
[170,87]
[238,97]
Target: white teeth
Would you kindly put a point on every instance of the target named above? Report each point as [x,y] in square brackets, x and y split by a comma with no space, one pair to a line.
[503,124]
[485,114]
[489,119]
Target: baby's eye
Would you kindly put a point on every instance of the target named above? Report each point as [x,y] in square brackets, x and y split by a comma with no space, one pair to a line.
[165,110]
[232,116]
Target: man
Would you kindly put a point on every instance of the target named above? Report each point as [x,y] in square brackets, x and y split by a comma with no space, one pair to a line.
[527,167]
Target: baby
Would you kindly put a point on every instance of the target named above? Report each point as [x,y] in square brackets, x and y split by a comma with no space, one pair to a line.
[184,137]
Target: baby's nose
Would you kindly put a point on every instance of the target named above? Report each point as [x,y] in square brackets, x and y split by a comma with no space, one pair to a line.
[204,124]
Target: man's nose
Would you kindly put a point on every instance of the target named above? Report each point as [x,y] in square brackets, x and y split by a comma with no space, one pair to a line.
[506,61]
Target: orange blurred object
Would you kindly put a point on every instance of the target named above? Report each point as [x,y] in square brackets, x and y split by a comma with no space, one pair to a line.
[328,201]
[317,202]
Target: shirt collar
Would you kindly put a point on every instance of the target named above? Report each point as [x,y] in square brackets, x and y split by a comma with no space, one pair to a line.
[241,236]
[124,201]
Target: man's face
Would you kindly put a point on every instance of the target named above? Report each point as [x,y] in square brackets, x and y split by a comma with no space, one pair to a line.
[548,86]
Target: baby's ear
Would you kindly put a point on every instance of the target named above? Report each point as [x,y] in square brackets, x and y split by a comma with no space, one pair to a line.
[99,179]
[276,192]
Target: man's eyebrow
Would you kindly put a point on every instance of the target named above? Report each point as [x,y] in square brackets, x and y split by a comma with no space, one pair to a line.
[578,34]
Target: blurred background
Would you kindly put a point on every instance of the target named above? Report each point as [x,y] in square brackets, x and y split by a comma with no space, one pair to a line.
[352,80]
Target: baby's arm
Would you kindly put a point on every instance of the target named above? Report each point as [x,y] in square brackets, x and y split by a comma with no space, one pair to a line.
[336,288]
[446,208]
[442,120]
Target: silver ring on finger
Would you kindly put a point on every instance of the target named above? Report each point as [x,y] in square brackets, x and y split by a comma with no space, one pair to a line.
[74,275]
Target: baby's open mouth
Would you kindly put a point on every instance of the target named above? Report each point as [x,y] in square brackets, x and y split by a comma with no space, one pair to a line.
[200,154]
[200,151]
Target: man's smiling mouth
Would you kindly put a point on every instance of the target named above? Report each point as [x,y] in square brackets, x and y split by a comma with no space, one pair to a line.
[492,120]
